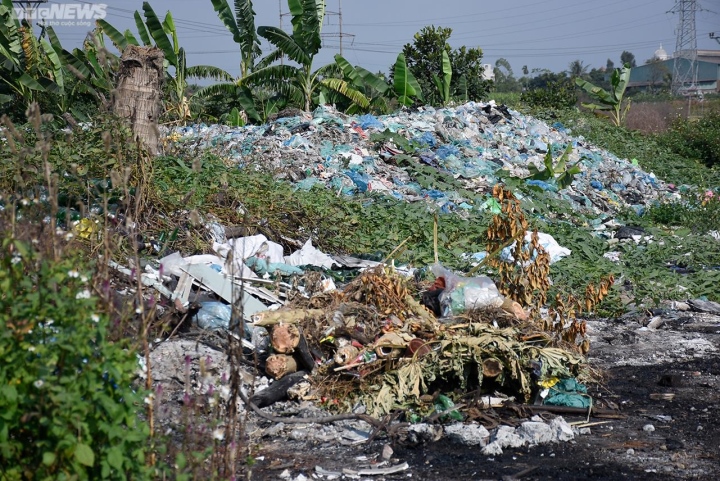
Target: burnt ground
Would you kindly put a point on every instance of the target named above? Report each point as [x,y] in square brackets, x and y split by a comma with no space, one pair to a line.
[643,369]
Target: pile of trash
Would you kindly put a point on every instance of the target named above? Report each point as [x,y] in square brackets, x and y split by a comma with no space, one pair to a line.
[407,155]
[387,339]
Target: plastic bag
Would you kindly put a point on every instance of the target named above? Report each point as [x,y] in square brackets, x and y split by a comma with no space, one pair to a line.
[216,315]
[463,294]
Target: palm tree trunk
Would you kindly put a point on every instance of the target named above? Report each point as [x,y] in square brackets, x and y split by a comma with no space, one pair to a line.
[137,96]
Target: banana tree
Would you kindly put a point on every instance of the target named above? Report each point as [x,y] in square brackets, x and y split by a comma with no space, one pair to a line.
[404,82]
[242,27]
[443,84]
[613,100]
[26,68]
[373,86]
[300,83]
[164,36]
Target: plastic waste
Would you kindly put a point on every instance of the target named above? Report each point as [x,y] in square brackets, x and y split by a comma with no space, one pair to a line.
[568,392]
[310,256]
[462,294]
[263,266]
[216,315]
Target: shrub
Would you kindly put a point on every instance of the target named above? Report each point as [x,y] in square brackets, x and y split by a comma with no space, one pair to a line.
[67,406]
[556,95]
[697,140]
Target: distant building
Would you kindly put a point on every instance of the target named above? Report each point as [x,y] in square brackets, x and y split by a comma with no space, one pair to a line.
[488,72]
[657,73]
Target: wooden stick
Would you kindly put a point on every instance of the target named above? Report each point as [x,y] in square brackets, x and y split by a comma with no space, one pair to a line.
[594,412]
[435,238]
[288,316]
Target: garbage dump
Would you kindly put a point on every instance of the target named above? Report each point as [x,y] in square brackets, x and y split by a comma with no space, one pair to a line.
[448,157]
[389,338]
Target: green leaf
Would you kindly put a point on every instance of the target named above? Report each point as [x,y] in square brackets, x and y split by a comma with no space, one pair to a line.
[287,44]
[373,80]
[117,38]
[403,89]
[115,458]
[142,30]
[84,455]
[342,87]
[48,458]
[158,34]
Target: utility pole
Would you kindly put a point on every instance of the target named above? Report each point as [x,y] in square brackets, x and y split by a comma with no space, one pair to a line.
[340,35]
[685,58]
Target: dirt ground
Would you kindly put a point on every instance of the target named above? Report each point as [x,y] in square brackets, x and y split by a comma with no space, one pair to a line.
[665,380]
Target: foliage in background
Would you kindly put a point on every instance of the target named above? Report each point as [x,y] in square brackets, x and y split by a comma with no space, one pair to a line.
[68,407]
[696,139]
[558,93]
[425,57]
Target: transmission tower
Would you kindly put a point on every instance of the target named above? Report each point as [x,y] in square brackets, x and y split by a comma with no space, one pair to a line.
[684,79]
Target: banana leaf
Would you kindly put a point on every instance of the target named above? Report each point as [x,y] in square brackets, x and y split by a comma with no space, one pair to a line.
[373,80]
[142,30]
[402,85]
[117,38]
[158,34]
[342,87]
[285,43]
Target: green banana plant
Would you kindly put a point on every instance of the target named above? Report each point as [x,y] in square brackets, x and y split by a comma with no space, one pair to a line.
[443,84]
[558,172]
[613,100]
[300,83]
[373,86]
[404,82]
[242,28]
[164,36]
[27,70]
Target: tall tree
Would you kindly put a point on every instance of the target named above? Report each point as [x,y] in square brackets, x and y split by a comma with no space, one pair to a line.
[610,65]
[628,58]
[424,58]
[504,78]
[300,83]
[577,68]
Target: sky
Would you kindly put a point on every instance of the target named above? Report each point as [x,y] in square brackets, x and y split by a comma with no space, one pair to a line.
[544,34]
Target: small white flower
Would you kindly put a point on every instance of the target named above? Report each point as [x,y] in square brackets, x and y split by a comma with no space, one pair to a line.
[95,318]
[16,258]
[149,399]
[73,274]
[219,434]
[83,279]
[83,294]
[31,348]
[39,383]
[69,236]
[138,310]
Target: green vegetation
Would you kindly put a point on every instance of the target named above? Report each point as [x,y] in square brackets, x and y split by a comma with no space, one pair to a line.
[696,140]
[613,100]
[69,408]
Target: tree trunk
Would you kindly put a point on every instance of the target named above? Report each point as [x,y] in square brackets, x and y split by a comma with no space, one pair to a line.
[137,96]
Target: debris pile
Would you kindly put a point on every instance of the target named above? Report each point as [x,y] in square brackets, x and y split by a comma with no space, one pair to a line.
[449,157]
[389,338]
